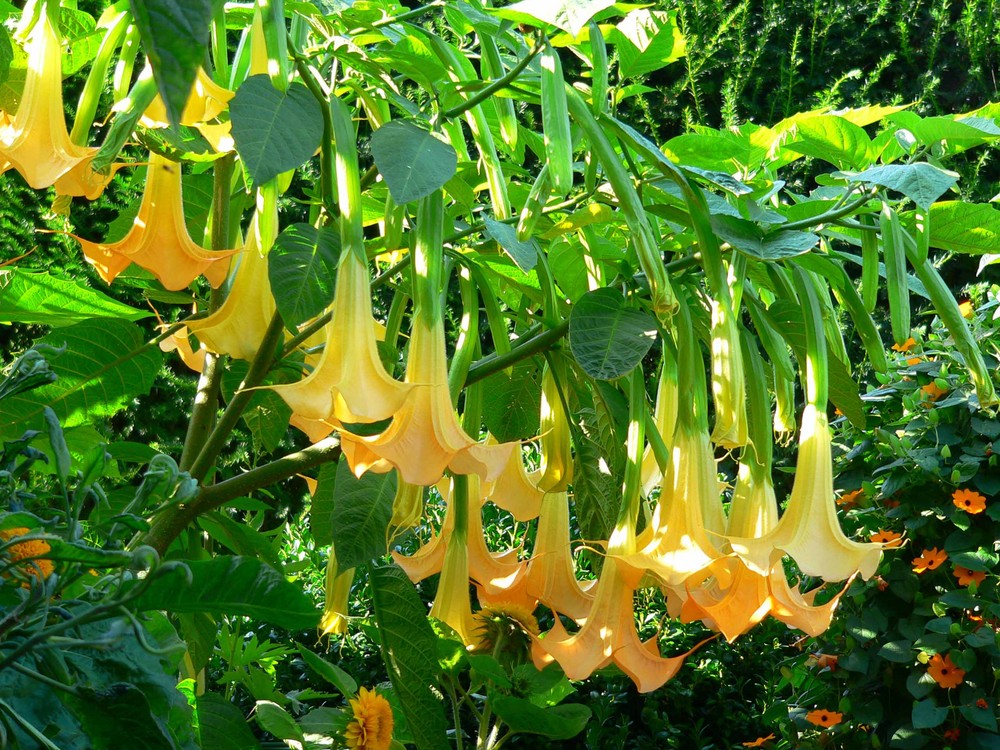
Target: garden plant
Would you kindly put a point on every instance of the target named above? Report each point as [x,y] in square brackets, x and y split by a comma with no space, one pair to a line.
[381,376]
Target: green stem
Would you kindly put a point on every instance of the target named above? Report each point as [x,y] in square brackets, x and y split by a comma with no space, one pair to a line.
[829,216]
[237,405]
[498,85]
[534,345]
[408,15]
[309,76]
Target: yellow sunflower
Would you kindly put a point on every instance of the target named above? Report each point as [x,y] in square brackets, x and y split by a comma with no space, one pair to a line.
[371,728]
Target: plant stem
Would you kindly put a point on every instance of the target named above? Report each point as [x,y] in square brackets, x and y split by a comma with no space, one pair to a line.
[499,84]
[168,525]
[534,345]
[238,404]
[815,221]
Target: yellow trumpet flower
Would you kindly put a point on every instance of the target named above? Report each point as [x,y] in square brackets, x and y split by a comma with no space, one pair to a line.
[809,531]
[238,326]
[338,591]
[453,604]
[349,383]
[206,101]
[665,419]
[728,383]
[35,141]
[551,574]
[425,437]
[159,240]
[514,490]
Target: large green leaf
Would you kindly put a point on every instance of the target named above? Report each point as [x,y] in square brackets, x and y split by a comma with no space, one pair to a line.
[921,182]
[555,722]
[411,160]
[174,36]
[231,586]
[569,15]
[511,403]
[329,672]
[832,139]
[607,338]
[525,254]
[120,710]
[647,40]
[750,239]
[104,366]
[38,298]
[362,509]
[81,38]
[958,135]
[302,269]
[6,54]
[321,512]
[927,714]
[971,228]
[274,719]
[275,131]
[409,650]
[222,725]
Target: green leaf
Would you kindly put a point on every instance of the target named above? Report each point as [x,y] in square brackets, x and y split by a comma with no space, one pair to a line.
[569,15]
[37,298]
[321,512]
[647,40]
[556,722]
[231,586]
[750,239]
[274,719]
[984,718]
[409,650]
[222,725]
[525,254]
[119,710]
[174,36]
[329,672]
[412,161]
[900,652]
[239,538]
[81,38]
[274,131]
[302,269]
[511,403]
[958,135]
[607,338]
[362,508]
[927,714]
[488,668]
[921,182]
[971,228]
[832,139]
[6,54]
[104,366]
[596,491]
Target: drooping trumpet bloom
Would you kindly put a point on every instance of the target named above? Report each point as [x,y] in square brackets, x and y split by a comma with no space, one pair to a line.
[665,419]
[728,385]
[609,633]
[515,490]
[809,531]
[35,141]
[159,240]
[425,437]
[349,383]
[206,101]
[556,463]
[239,325]
[452,603]
[338,591]
[551,574]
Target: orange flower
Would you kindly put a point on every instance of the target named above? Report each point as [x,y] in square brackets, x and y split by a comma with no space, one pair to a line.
[30,551]
[823,718]
[929,559]
[966,308]
[932,391]
[914,361]
[850,499]
[966,577]
[981,703]
[881,583]
[952,734]
[944,671]
[759,742]
[371,727]
[888,538]
[905,346]
[969,500]
[823,661]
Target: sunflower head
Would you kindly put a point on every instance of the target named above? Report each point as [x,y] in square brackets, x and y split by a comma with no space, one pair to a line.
[505,631]
[371,727]
[31,551]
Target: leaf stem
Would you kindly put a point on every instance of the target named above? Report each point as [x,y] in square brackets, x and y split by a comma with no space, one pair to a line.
[837,213]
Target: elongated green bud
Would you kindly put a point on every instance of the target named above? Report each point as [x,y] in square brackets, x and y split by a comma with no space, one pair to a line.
[541,188]
[895,273]
[555,121]
[556,464]
[869,263]
[506,113]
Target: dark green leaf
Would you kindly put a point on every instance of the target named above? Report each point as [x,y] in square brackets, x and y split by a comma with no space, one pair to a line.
[231,586]
[921,182]
[174,35]
[927,714]
[362,508]
[750,239]
[409,650]
[118,711]
[302,269]
[274,131]
[329,672]
[222,725]
[412,161]
[239,538]
[607,338]
[511,403]
[555,722]
[900,652]
[321,513]
[42,299]
[984,718]
[274,719]
[525,254]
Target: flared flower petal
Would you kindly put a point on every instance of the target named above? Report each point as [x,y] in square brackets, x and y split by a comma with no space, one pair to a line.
[551,575]
[35,141]
[181,343]
[238,326]
[425,437]
[809,531]
[798,610]
[206,102]
[665,420]
[452,604]
[514,490]
[159,240]
[349,383]
[338,591]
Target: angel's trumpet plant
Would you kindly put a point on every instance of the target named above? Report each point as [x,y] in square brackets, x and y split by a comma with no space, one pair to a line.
[728,385]
[688,522]
[425,437]
[238,326]
[349,383]
[556,464]
[338,591]
[515,490]
[609,633]
[664,420]
[159,240]
[35,141]
[206,101]
[452,603]
[809,531]
[551,575]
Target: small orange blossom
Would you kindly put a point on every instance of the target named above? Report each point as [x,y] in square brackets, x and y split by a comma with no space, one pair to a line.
[759,742]
[905,346]
[929,560]
[944,671]
[933,391]
[823,718]
[966,577]
[969,500]
[890,539]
